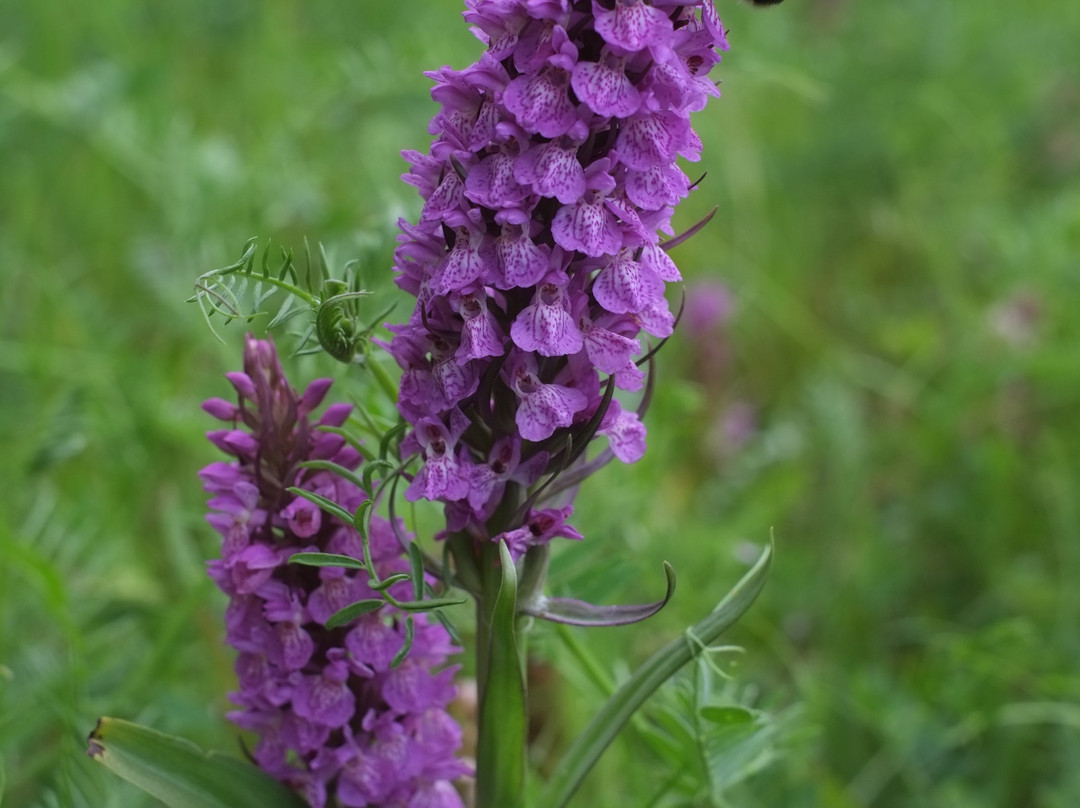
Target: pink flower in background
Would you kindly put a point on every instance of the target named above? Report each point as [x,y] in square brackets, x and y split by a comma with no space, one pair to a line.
[709,306]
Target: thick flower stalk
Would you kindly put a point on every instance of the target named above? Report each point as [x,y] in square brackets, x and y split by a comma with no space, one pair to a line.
[335,718]
[537,260]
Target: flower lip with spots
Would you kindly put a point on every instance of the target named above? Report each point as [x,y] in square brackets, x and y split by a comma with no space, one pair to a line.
[538,258]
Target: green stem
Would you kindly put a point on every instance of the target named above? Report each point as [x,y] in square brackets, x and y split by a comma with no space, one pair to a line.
[490,582]
[500,757]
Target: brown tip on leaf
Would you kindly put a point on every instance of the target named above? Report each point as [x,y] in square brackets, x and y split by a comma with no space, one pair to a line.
[93,747]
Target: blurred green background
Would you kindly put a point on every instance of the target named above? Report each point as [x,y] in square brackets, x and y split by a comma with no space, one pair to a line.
[894,396]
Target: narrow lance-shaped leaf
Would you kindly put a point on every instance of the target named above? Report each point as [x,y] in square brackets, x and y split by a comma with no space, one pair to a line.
[448,624]
[336,468]
[327,560]
[582,755]
[349,438]
[180,774]
[385,381]
[391,435]
[360,519]
[370,470]
[284,314]
[327,505]
[352,611]
[386,583]
[428,605]
[406,646]
[580,613]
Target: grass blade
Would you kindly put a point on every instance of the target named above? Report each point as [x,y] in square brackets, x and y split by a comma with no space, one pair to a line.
[582,755]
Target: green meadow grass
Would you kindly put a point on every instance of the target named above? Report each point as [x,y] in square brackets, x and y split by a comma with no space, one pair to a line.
[898,194]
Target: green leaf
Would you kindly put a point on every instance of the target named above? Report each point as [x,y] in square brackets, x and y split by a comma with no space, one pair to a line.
[448,624]
[284,314]
[370,470]
[677,726]
[385,381]
[391,434]
[327,560]
[349,438]
[180,774]
[328,465]
[582,755]
[327,505]
[352,611]
[399,657]
[428,605]
[3,779]
[361,516]
[500,758]
[728,715]
[386,583]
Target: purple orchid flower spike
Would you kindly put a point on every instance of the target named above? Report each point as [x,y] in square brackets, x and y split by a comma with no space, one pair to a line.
[538,259]
[322,701]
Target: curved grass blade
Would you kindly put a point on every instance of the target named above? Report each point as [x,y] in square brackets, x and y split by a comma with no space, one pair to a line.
[179,773]
[582,755]
[581,613]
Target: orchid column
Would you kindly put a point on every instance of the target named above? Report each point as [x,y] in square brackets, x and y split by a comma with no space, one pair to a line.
[537,262]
